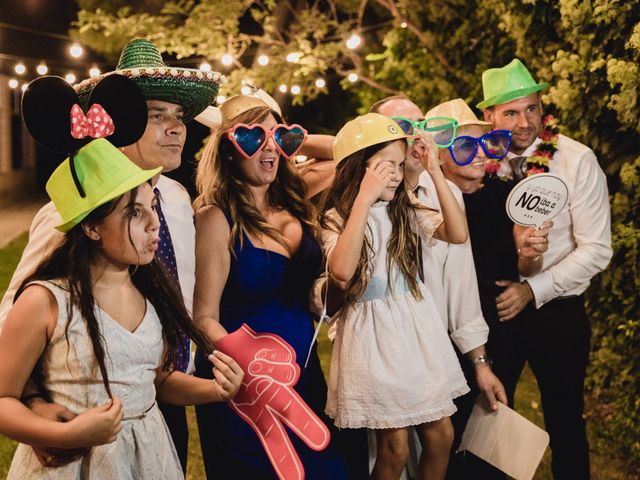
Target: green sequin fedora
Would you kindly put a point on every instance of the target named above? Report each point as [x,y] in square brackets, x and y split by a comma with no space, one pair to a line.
[141,61]
[501,85]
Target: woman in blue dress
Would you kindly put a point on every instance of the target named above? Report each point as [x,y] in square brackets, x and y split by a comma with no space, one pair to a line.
[257,256]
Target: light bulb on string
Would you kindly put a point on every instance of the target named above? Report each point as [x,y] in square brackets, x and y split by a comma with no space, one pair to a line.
[263,60]
[227,59]
[352,77]
[245,90]
[24,86]
[205,67]
[70,78]
[295,89]
[320,83]
[13,83]
[20,68]
[94,72]
[42,69]
[354,41]
[76,50]
[220,99]
[283,88]
[293,57]
[403,25]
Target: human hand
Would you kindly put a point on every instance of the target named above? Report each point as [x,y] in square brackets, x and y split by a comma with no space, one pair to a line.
[96,426]
[531,242]
[267,399]
[513,300]
[490,386]
[429,153]
[48,456]
[375,180]
[228,375]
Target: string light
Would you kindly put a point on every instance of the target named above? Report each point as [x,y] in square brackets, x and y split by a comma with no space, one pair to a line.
[352,77]
[24,87]
[263,60]
[94,72]
[404,25]
[283,88]
[293,57]
[354,41]
[42,69]
[245,90]
[70,78]
[20,68]
[295,89]
[76,50]
[227,59]
[320,83]
[220,99]
[205,67]
[13,83]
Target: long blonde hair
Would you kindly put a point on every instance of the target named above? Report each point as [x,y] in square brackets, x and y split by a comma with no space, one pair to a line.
[402,245]
[219,182]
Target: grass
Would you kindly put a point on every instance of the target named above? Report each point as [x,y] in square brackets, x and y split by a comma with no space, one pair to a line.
[605,463]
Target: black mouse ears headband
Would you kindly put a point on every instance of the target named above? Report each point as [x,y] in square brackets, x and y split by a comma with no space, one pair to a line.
[116,110]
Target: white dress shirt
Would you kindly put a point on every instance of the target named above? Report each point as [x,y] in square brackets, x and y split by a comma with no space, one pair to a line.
[580,239]
[44,238]
[450,275]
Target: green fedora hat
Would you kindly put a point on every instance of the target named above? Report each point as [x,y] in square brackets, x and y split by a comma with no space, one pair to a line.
[501,85]
[141,61]
[103,171]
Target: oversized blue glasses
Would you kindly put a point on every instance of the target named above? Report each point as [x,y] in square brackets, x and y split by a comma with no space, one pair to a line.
[495,145]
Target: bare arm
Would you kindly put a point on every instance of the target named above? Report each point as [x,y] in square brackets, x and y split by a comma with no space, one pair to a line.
[318,146]
[530,244]
[453,229]
[179,388]
[345,255]
[488,384]
[213,261]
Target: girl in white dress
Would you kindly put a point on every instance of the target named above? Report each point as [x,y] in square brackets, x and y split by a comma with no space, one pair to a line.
[98,321]
[392,365]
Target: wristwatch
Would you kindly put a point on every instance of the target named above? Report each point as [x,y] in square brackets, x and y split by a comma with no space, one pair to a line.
[483,358]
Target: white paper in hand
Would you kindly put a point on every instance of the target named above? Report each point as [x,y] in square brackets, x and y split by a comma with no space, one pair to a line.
[536,199]
[505,439]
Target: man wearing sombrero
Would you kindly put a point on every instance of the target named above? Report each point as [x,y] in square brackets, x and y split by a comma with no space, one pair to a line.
[555,341]
[174,97]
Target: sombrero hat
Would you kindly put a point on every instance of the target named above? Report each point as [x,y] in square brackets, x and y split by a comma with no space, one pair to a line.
[141,61]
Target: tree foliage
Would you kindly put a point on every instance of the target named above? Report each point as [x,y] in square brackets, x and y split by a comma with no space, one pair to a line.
[433,51]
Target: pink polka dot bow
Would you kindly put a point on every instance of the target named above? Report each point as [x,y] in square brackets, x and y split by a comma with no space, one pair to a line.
[96,124]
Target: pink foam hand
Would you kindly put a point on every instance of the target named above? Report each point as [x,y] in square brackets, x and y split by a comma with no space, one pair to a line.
[266,400]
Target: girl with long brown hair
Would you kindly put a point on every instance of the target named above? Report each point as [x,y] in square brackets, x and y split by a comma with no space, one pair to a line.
[257,255]
[392,364]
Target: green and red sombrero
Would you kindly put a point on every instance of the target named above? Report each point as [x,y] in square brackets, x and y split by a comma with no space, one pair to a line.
[141,61]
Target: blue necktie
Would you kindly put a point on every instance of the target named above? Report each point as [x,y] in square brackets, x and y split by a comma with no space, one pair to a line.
[167,256]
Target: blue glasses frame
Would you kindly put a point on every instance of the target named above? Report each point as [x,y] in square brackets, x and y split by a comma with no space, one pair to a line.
[495,144]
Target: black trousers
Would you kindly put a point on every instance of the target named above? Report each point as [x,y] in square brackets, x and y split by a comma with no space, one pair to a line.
[176,418]
[555,340]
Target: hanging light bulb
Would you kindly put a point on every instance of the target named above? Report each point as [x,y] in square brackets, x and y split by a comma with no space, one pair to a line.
[263,60]
[227,59]
[245,90]
[42,69]
[403,25]
[295,89]
[283,88]
[320,83]
[220,99]
[94,72]
[293,57]
[354,41]
[20,68]
[205,67]
[70,78]
[24,86]
[76,50]
[13,83]
[352,77]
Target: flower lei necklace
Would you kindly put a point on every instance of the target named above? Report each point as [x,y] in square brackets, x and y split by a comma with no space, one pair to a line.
[538,162]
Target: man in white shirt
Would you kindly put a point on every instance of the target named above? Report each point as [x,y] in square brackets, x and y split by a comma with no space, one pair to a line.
[174,96]
[556,340]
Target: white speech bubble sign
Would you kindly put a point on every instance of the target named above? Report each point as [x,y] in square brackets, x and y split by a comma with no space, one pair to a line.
[536,199]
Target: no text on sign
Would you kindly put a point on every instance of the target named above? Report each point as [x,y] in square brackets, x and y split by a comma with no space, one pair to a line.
[536,199]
